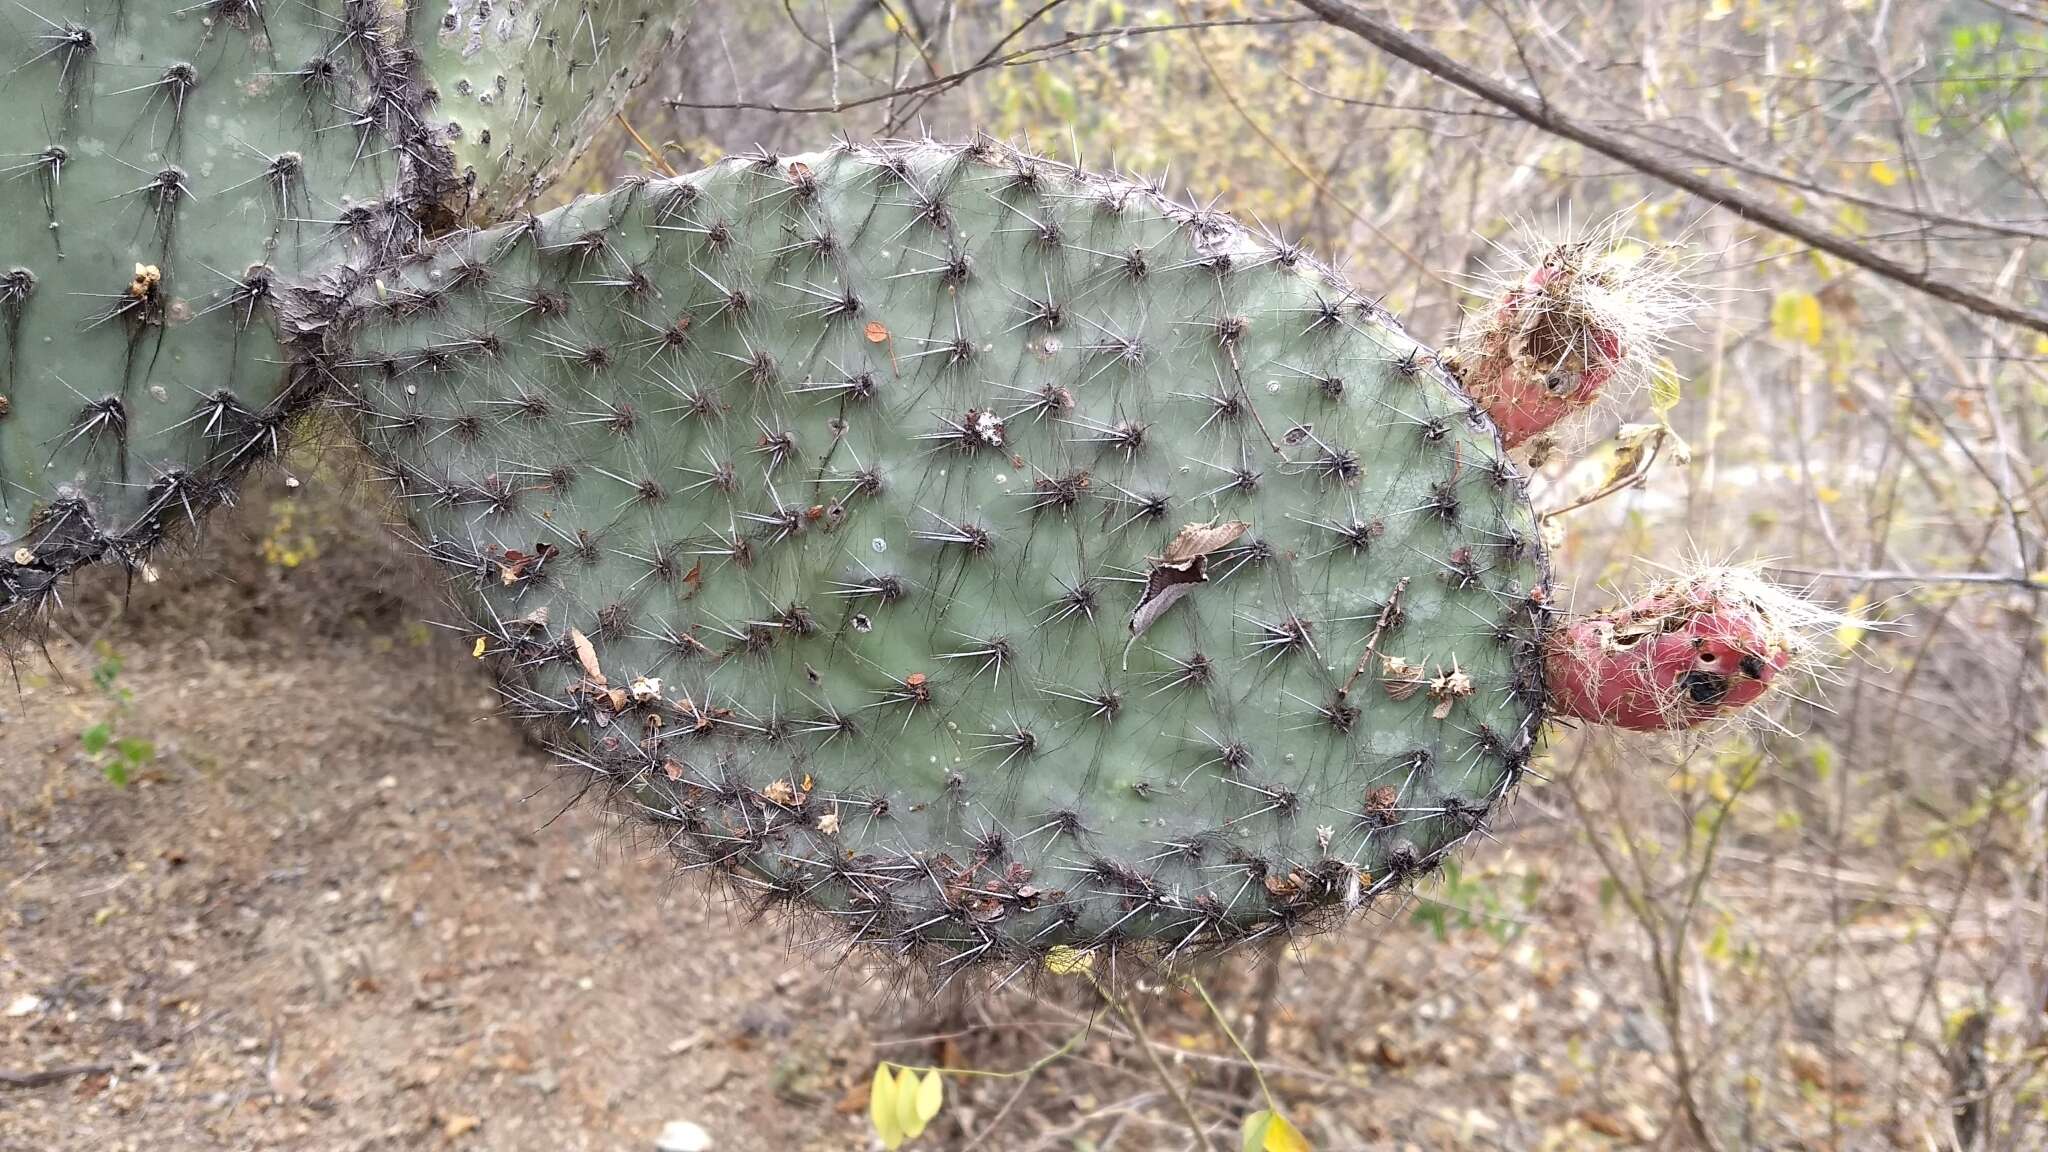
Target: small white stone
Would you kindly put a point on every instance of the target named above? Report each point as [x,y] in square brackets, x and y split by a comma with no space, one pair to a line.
[682,1136]
[26,1004]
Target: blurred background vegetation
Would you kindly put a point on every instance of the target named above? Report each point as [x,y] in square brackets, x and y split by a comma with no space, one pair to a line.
[1824,929]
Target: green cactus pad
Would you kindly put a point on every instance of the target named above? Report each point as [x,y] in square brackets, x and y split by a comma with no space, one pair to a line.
[171,170]
[186,193]
[809,503]
[524,88]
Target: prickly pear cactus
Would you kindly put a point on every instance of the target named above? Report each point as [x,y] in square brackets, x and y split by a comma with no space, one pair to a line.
[524,88]
[992,554]
[169,169]
[189,191]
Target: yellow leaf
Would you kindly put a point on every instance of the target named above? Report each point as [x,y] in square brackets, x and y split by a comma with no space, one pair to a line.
[1883,174]
[1268,1131]
[478,651]
[1825,494]
[907,1093]
[1664,390]
[931,1096]
[882,1108]
[1796,318]
[1852,629]
[1066,961]
[1282,1136]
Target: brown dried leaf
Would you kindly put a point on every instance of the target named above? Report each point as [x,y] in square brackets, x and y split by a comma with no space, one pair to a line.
[586,656]
[1447,688]
[1380,804]
[876,331]
[1201,539]
[1401,678]
[782,792]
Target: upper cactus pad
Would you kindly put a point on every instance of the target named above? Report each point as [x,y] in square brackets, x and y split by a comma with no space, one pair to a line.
[994,554]
[172,169]
[524,88]
[188,191]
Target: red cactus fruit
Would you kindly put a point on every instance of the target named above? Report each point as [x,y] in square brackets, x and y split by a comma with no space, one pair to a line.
[1547,349]
[1575,321]
[1687,652]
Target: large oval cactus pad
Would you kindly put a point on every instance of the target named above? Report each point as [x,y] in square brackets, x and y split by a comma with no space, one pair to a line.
[990,554]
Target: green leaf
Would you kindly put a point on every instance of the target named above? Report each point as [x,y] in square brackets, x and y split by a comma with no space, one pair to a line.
[135,750]
[1254,1132]
[96,738]
[116,772]
[882,1108]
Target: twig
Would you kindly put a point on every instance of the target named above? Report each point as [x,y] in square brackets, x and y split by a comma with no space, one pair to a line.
[954,79]
[1287,156]
[1195,982]
[645,147]
[1542,114]
[2037,581]
[47,1076]
[1372,642]
[1174,1088]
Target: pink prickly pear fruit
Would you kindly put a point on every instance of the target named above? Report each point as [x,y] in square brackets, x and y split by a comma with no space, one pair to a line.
[1685,653]
[1545,350]
[1590,318]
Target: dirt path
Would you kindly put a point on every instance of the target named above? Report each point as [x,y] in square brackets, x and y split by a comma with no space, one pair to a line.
[328,917]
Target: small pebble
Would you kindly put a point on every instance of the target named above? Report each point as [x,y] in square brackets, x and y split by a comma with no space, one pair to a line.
[682,1136]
